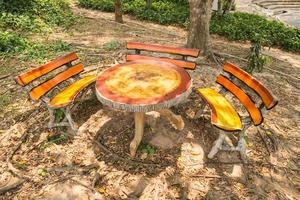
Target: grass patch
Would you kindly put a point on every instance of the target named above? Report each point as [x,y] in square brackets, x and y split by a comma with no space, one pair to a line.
[112,45]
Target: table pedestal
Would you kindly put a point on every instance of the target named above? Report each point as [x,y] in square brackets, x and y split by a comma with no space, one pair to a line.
[139,119]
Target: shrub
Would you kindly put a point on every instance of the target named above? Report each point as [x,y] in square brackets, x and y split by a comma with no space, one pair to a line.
[11,42]
[20,18]
[234,26]
[112,45]
[244,26]
[34,15]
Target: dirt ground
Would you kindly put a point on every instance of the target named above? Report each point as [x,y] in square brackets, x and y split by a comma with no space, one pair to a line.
[95,163]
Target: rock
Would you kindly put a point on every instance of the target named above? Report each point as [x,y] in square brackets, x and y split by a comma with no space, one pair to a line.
[162,141]
[144,156]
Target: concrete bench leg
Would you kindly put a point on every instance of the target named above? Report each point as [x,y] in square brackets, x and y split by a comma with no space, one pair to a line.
[223,138]
[73,125]
[52,118]
[67,121]
[217,145]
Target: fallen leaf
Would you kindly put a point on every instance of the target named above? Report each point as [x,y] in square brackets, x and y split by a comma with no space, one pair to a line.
[101,190]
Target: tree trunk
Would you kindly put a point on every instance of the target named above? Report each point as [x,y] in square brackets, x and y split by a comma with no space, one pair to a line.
[228,7]
[220,7]
[198,36]
[118,11]
[149,4]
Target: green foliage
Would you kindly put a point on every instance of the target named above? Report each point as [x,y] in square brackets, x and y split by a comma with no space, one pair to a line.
[146,148]
[112,45]
[42,172]
[21,164]
[234,26]
[35,15]
[59,115]
[104,5]
[11,42]
[162,11]
[225,4]
[244,26]
[19,19]
[256,61]
[38,51]
[57,139]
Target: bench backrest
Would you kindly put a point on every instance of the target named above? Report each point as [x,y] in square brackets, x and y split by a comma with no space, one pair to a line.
[268,99]
[184,52]
[36,92]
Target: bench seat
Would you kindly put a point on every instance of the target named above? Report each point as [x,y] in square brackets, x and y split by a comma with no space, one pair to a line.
[223,115]
[67,96]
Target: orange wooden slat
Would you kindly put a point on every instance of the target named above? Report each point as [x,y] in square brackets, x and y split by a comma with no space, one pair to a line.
[164,49]
[37,92]
[223,115]
[30,76]
[253,111]
[67,96]
[179,63]
[269,100]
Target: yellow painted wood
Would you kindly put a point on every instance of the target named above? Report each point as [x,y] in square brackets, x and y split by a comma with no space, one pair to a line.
[223,115]
[143,81]
[68,95]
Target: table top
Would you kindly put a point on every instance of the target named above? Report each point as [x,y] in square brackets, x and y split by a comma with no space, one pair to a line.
[143,85]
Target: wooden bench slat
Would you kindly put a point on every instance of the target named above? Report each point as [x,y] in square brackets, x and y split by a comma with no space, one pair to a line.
[37,92]
[67,96]
[223,115]
[253,111]
[163,49]
[30,76]
[180,63]
[269,100]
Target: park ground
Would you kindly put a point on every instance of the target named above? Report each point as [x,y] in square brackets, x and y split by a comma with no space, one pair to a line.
[170,164]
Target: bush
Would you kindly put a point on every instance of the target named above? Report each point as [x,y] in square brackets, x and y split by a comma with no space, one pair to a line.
[244,26]
[234,26]
[35,15]
[18,19]
[11,42]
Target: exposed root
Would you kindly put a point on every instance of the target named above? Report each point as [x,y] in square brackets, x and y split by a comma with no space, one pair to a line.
[12,184]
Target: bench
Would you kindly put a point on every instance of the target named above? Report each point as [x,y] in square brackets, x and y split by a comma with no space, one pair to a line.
[45,84]
[225,117]
[183,54]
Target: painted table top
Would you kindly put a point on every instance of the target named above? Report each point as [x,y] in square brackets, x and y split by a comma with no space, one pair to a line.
[142,86]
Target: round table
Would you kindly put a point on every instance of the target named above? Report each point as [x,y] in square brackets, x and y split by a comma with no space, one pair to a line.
[141,86]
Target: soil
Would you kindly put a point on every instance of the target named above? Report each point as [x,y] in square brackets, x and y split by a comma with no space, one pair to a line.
[170,164]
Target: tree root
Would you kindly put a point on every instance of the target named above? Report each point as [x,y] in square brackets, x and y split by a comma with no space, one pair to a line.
[11,185]
[115,156]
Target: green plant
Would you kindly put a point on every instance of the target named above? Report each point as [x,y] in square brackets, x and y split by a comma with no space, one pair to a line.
[35,15]
[11,42]
[59,115]
[18,19]
[112,45]
[225,4]
[21,164]
[42,172]
[57,139]
[146,148]
[244,26]
[256,61]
